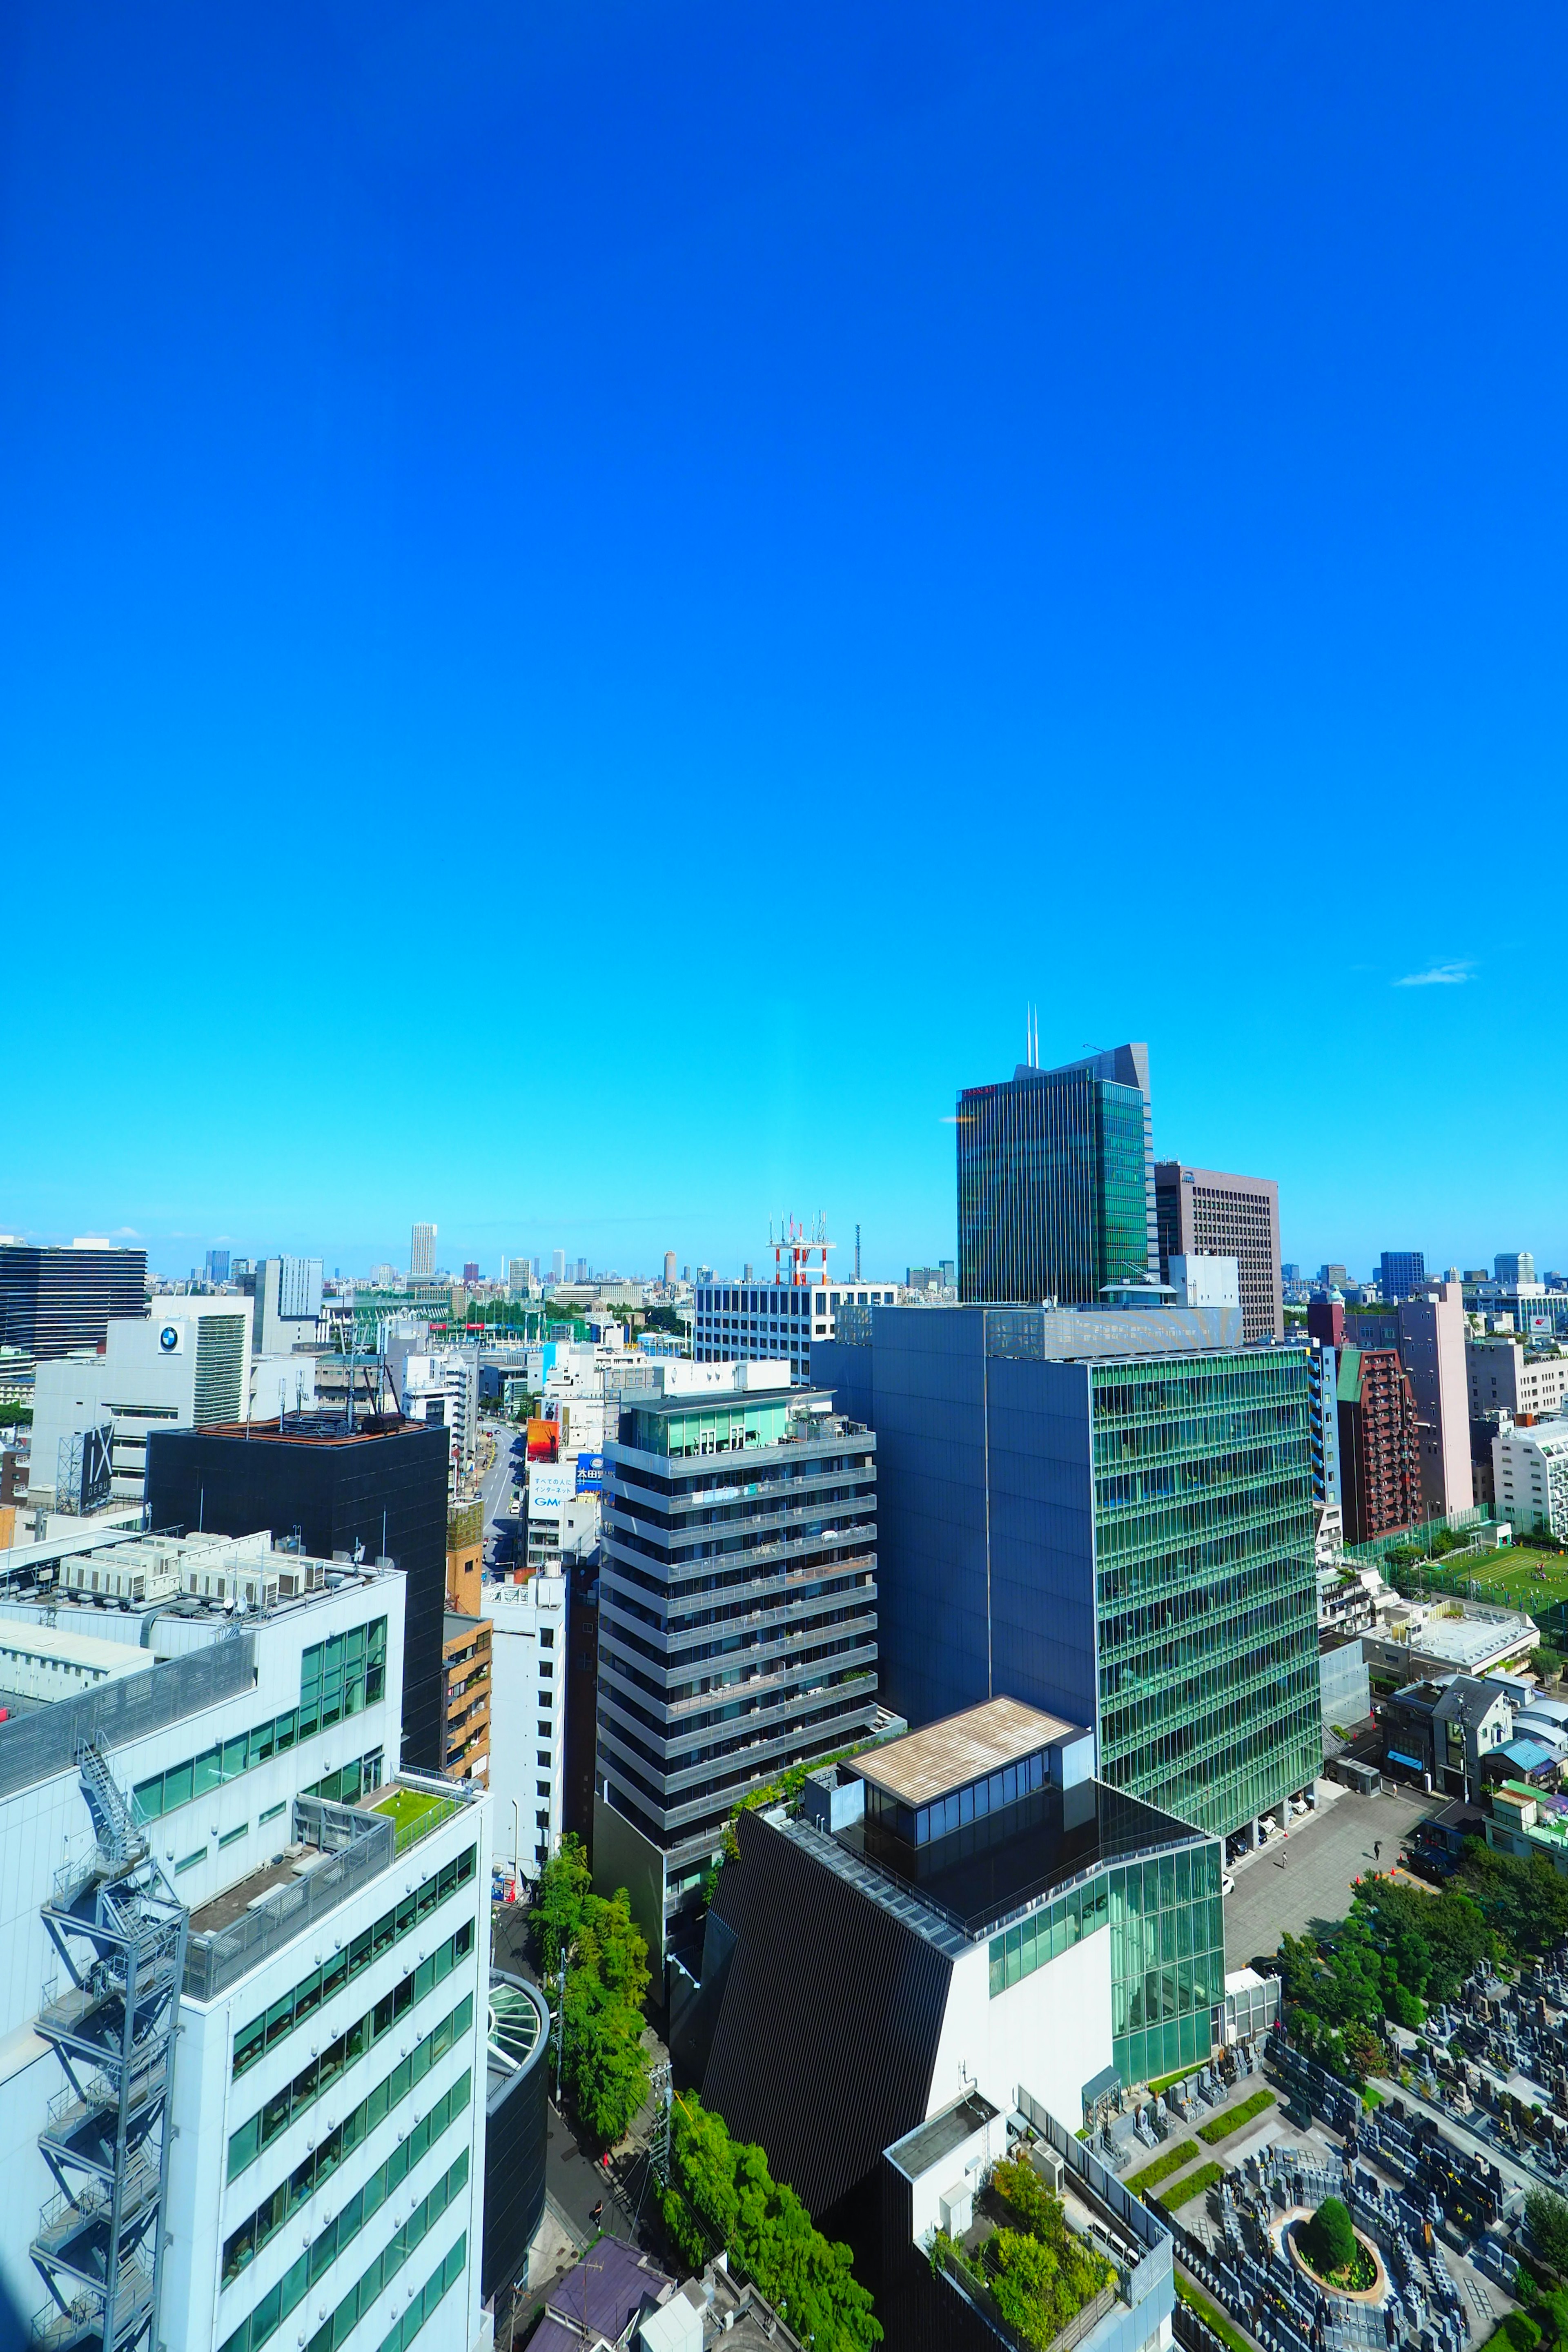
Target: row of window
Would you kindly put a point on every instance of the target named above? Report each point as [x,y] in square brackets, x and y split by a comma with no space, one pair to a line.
[331,1687]
[331,2240]
[422,2306]
[972,1803]
[268,2314]
[292,2008]
[288,2104]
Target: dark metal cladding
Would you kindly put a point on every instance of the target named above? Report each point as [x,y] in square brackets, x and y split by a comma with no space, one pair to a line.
[864,1996]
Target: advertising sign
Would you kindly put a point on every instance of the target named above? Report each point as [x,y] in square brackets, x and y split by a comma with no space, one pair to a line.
[590,1473]
[544,1440]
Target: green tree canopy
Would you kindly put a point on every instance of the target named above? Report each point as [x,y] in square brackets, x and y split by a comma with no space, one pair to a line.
[604,2065]
[1548,2218]
[1330,2238]
[722,2194]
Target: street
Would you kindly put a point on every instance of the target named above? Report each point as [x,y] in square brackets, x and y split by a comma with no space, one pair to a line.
[496,1487]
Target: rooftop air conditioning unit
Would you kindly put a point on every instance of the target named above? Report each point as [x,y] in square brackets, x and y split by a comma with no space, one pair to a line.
[957,2205]
[230,1586]
[310,1576]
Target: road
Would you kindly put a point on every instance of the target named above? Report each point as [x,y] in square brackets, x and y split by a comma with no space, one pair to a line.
[495,1490]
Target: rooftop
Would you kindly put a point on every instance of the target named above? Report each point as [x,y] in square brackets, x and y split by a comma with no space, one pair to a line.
[994,1869]
[929,2142]
[958,1749]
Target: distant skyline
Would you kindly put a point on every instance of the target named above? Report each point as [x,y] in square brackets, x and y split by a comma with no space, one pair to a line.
[633,1238]
[593,602]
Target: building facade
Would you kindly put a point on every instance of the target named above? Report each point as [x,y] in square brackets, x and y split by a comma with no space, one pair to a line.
[221,1842]
[1380,1444]
[1202,1213]
[422,1254]
[1056,1181]
[466,1696]
[52,1300]
[355,1494]
[1530,1475]
[774,1322]
[1400,1272]
[1108,1518]
[961,1938]
[528,1716]
[1503,1377]
[187,1367]
[737,1619]
[1432,1331]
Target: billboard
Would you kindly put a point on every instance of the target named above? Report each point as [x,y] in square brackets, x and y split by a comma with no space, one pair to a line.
[544,1440]
[548,1486]
[590,1473]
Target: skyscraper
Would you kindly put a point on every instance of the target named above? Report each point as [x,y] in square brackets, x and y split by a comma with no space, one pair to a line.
[1056,1181]
[1202,1214]
[217,1266]
[52,1300]
[1399,1272]
[1380,1444]
[1515,1265]
[422,1254]
[1108,1518]
[766,1657]
[1431,1349]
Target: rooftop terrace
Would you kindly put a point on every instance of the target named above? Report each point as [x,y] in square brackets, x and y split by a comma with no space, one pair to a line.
[960,1748]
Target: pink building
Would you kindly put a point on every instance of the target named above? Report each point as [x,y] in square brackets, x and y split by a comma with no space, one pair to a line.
[1432,1348]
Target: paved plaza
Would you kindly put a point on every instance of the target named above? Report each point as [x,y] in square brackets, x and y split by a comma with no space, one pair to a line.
[1308,1875]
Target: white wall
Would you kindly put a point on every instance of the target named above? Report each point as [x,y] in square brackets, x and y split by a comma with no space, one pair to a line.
[1050,2031]
[522,1696]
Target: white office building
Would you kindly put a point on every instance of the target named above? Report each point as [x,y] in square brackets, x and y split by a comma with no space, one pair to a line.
[286,1304]
[528,1717]
[1529,1472]
[775,1321]
[186,1367]
[443,1386]
[212,1862]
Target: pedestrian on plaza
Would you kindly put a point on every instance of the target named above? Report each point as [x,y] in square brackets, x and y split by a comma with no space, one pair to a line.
[1377,1849]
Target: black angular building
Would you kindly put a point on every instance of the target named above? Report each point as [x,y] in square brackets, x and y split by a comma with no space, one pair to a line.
[52,1300]
[380,1489]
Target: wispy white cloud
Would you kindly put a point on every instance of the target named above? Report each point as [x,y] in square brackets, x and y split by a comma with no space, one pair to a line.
[1441,975]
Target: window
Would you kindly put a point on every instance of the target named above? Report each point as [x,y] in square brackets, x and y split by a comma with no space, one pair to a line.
[320,1984]
[190,1861]
[294,2098]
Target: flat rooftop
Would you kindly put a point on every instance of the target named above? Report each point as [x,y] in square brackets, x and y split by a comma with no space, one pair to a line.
[995,1868]
[960,1748]
[931,2142]
[280,1871]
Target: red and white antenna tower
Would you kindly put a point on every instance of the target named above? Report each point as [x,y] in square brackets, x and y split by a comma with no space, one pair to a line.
[800,1248]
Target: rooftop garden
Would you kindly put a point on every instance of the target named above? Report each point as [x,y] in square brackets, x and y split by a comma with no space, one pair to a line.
[1024,2259]
[413,1813]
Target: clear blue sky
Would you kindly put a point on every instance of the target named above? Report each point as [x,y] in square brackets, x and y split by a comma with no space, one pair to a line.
[592,599]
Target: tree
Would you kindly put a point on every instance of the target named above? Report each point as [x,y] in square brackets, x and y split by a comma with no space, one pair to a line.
[722,2194]
[1548,2218]
[14,1414]
[1330,2238]
[603,2064]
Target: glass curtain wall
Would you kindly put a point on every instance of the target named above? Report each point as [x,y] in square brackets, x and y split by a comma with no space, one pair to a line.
[1207,1592]
[1053,1188]
[1167,1955]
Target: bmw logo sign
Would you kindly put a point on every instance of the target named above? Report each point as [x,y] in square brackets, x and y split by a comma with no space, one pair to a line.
[169,1339]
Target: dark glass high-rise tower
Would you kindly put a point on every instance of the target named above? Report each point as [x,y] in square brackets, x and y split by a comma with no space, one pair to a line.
[1056,1181]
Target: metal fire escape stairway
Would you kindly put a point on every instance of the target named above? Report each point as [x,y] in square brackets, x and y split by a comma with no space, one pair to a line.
[119,1931]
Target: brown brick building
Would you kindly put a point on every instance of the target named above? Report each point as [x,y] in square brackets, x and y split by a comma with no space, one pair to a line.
[1380,1444]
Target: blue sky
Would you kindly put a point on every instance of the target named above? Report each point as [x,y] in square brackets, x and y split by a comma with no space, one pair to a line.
[592,601]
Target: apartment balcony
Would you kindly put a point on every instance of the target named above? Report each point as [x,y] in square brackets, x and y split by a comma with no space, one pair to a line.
[781,1592]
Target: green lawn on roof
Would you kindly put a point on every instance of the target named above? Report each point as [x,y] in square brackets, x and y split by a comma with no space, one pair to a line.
[407,1806]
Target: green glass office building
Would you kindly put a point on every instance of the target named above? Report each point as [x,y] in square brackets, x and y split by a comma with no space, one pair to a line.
[1056,1181]
[1108,1517]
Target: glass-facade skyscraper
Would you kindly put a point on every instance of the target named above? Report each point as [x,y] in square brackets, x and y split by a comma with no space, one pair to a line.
[1056,1181]
[1108,1518]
